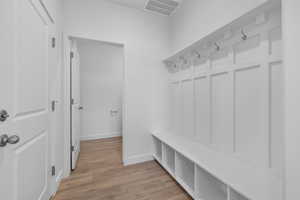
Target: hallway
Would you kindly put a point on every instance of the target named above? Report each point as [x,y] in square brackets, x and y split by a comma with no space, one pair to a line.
[100,175]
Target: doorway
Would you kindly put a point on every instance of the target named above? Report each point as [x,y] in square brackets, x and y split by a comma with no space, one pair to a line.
[96,92]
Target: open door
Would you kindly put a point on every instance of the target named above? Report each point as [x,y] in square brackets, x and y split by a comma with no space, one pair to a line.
[25,170]
[75,104]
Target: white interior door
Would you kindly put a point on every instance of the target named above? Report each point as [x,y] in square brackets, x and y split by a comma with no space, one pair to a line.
[24,134]
[75,104]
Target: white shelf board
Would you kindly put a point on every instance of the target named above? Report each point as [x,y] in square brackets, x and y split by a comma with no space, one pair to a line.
[254,183]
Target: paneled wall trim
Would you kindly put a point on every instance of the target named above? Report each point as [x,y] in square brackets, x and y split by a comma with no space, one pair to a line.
[226,93]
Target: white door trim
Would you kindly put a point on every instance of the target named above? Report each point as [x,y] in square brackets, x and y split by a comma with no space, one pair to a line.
[66,102]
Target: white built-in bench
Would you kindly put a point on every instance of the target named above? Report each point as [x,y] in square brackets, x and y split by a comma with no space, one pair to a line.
[209,175]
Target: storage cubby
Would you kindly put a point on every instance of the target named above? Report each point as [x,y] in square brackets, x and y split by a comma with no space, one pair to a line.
[185,172]
[169,158]
[236,196]
[157,148]
[207,187]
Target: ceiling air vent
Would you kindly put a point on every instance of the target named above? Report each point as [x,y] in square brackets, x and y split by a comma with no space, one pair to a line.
[164,7]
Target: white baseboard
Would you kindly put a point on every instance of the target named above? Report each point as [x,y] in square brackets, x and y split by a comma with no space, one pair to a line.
[100,136]
[137,159]
[57,182]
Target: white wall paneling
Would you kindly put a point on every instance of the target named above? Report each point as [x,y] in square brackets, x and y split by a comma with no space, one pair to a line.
[221,112]
[176,116]
[202,109]
[291,32]
[248,114]
[276,117]
[227,95]
[188,107]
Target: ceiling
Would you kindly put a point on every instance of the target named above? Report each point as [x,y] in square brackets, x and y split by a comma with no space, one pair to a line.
[139,4]
[164,7]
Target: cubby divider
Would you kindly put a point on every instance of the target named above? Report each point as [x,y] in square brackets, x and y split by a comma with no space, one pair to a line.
[169,158]
[157,148]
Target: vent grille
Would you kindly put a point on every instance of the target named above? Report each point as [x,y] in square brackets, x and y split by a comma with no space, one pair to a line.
[164,7]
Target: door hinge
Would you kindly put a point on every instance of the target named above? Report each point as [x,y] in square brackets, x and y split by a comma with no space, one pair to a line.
[53,106]
[53,170]
[72,54]
[53,42]
[72,148]
[72,101]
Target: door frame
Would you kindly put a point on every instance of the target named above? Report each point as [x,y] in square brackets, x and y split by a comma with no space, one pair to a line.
[67,38]
[73,101]
[67,103]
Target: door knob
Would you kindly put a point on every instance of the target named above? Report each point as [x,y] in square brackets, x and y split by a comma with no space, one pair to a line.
[3,115]
[4,140]
[80,108]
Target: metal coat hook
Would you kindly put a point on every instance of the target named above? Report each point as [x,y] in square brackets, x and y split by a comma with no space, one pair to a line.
[184,60]
[175,66]
[244,36]
[198,54]
[217,47]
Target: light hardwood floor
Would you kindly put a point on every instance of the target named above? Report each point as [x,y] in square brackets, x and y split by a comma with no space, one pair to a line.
[100,175]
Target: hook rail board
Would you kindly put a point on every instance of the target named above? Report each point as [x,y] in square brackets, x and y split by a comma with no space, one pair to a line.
[212,41]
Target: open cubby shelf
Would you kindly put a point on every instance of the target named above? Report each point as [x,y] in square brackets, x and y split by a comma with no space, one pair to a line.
[208,187]
[185,171]
[169,158]
[209,175]
[157,149]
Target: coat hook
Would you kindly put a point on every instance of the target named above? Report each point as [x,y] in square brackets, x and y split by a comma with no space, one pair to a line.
[244,36]
[217,47]
[198,54]
[184,60]
[175,66]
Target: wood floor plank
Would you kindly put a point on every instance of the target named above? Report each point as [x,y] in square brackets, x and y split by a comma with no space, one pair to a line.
[100,175]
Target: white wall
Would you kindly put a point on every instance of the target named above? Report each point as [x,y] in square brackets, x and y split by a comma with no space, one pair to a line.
[145,38]
[198,18]
[101,85]
[291,32]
